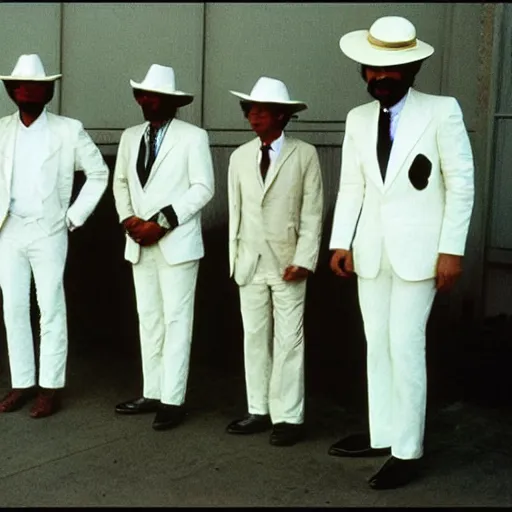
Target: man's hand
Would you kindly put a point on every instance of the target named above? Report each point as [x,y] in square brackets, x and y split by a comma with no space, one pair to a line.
[294,273]
[131,223]
[449,268]
[145,233]
[148,233]
[342,263]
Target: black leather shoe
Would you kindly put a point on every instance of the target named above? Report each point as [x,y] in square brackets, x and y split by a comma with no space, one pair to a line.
[356,445]
[168,416]
[286,434]
[251,424]
[395,473]
[138,406]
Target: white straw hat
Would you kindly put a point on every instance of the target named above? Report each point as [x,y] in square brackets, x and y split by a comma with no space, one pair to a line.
[391,41]
[30,67]
[271,90]
[161,79]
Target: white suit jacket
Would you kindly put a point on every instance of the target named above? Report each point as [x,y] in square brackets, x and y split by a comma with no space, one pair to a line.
[181,176]
[71,149]
[425,204]
[288,207]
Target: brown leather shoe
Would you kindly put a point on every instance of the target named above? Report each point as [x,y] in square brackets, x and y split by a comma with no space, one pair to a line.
[15,399]
[47,403]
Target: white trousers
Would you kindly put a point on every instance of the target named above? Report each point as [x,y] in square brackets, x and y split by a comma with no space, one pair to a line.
[165,305]
[272,316]
[395,314]
[25,249]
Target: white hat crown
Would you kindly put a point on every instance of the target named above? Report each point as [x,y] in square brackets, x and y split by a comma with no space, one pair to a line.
[160,77]
[391,41]
[271,90]
[29,67]
[393,30]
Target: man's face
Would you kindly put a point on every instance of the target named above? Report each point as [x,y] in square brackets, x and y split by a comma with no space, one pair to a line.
[30,95]
[155,107]
[387,85]
[264,119]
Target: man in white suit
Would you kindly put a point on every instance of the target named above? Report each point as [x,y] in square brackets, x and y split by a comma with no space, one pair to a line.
[39,152]
[400,223]
[275,219]
[163,178]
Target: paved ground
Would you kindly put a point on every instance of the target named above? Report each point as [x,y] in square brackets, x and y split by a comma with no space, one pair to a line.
[87,456]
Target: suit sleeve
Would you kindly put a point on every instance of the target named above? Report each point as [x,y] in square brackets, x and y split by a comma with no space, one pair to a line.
[458,173]
[88,159]
[350,194]
[311,216]
[120,187]
[201,178]
[234,205]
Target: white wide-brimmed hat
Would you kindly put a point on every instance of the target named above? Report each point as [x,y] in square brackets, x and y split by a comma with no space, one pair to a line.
[271,90]
[391,41]
[161,79]
[29,67]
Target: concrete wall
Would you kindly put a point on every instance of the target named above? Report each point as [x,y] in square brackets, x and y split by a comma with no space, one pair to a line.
[215,47]
[498,255]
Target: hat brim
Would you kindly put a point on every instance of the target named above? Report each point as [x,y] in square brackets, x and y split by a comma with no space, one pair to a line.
[295,106]
[355,46]
[181,98]
[50,78]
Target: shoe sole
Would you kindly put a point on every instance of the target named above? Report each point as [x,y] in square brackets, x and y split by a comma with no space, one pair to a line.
[287,443]
[247,433]
[164,426]
[39,416]
[360,453]
[122,411]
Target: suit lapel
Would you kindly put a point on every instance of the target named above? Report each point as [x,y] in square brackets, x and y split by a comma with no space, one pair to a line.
[55,137]
[7,142]
[413,122]
[171,138]
[50,169]
[135,153]
[253,169]
[287,149]
[369,140]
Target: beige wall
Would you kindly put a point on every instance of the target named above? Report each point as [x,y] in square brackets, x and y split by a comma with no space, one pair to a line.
[215,47]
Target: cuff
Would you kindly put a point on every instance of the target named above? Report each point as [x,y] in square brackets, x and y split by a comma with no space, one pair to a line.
[171,216]
[70,224]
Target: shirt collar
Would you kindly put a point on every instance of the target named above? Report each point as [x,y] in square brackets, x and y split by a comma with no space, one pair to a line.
[161,129]
[277,143]
[397,107]
[38,124]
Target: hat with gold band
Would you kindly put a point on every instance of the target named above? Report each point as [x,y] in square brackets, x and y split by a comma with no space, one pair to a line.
[391,41]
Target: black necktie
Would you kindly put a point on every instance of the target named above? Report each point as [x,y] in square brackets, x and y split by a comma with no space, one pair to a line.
[384,141]
[265,160]
[152,148]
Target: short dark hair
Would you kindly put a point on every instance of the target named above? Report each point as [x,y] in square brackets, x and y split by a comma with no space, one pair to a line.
[276,108]
[410,69]
[10,85]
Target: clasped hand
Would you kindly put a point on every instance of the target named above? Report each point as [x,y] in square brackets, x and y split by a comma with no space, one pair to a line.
[295,273]
[143,232]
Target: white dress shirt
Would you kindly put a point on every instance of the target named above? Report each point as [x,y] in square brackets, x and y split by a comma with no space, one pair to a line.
[276,146]
[160,134]
[31,149]
[395,111]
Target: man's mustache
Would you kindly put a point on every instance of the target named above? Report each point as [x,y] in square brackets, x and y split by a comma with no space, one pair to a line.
[385,83]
